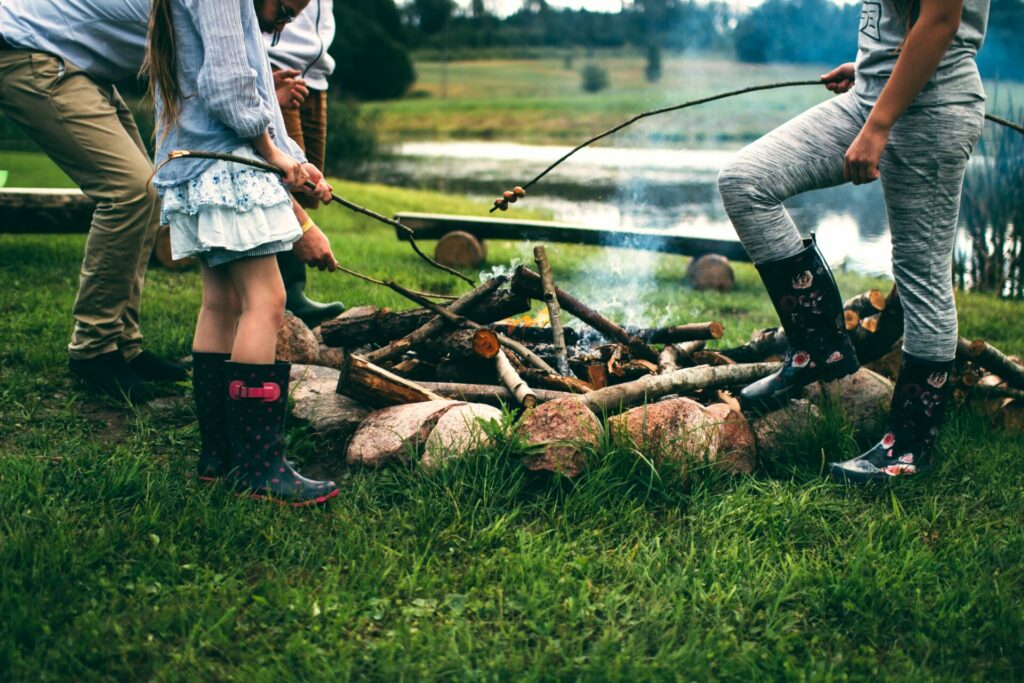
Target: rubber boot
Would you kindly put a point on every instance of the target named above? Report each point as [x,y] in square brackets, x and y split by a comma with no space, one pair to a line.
[257,399]
[209,391]
[805,296]
[918,407]
[293,272]
[109,374]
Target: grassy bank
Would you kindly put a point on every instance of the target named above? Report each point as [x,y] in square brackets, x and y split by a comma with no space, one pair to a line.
[114,565]
[540,101]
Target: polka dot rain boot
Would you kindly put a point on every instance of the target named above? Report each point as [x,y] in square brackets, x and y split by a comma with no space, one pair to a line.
[918,406]
[257,399]
[210,396]
[805,296]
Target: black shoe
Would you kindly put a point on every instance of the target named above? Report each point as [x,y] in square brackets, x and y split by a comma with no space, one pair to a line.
[918,406]
[209,391]
[293,272]
[257,397]
[152,368]
[110,375]
[805,296]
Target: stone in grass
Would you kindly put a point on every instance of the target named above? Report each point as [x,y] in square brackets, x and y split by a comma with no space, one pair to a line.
[395,434]
[331,416]
[684,431]
[773,431]
[562,429]
[296,343]
[711,271]
[459,430]
[864,397]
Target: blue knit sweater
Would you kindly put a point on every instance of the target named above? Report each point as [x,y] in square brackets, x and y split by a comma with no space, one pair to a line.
[226,83]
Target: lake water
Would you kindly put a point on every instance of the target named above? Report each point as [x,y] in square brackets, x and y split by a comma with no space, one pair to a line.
[610,187]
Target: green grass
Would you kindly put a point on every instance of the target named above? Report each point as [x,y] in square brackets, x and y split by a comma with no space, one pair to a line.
[114,565]
[540,101]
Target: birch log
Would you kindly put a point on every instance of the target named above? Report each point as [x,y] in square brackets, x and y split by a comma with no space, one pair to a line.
[554,310]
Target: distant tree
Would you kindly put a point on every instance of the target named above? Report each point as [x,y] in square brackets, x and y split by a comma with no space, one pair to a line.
[594,78]
[372,61]
[433,15]
[652,71]
[1003,52]
[817,31]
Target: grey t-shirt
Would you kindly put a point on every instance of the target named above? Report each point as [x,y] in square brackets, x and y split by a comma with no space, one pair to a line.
[879,42]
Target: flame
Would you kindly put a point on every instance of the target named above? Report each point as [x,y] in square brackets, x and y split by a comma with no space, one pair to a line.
[541,319]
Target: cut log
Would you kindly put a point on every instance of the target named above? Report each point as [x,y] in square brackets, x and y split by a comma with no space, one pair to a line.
[382,326]
[612,399]
[763,344]
[682,333]
[852,319]
[459,430]
[996,362]
[554,310]
[711,271]
[460,249]
[675,356]
[877,335]
[867,304]
[525,281]
[562,430]
[375,386]
[44,210]
[715,358]
[396,434]
[556,382]
[467,343]
[486,393]
[513,382]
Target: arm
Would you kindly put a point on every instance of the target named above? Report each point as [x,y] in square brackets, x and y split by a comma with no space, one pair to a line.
[227,84]
[923,49]
[313,248]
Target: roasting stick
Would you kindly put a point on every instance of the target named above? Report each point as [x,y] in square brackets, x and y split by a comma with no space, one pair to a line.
[409,235]
[510,196]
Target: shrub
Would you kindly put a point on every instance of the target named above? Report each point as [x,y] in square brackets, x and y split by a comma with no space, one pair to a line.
[595,78]
[351,139]
[652,71]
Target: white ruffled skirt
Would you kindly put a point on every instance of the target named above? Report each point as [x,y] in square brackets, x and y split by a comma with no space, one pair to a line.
[229,212]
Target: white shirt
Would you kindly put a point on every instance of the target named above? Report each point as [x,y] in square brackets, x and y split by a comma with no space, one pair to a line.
[303,44]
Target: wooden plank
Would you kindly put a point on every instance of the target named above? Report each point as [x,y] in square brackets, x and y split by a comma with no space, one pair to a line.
[44,210]
[435,226]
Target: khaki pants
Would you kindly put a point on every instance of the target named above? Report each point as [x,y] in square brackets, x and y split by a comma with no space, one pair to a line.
[87,129]
[307,126]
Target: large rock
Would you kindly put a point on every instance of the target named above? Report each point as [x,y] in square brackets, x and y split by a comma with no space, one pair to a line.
[561,430]
[459,430]
[685,432]
[773,431]
[711,271]
[864,397]
[395,434]
[331,416]
[296,343]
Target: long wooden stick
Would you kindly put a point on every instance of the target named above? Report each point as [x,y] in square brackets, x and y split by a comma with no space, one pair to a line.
[488,393]
[528,282]
[513,382]
[554,310]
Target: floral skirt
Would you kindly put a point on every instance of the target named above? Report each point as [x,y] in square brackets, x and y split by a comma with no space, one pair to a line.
[229,212]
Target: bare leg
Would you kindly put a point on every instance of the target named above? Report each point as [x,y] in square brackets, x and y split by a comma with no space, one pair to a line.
[258,283]
[218,316]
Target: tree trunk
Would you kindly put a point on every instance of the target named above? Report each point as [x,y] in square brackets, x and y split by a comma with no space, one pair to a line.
[375,386]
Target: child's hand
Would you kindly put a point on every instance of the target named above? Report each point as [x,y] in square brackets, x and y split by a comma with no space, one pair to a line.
[862,158]
[323,189]
[291,90]
[295,176]
[840,79]
[314,249]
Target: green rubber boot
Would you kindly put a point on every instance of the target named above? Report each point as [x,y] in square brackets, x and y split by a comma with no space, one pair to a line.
[293,272]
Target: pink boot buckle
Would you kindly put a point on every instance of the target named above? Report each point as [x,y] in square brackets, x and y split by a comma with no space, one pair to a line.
[269,392]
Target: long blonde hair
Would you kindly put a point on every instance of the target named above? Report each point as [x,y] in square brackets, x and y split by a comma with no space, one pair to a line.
[161,63]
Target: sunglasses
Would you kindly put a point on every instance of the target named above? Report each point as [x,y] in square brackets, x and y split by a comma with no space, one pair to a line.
[284,14]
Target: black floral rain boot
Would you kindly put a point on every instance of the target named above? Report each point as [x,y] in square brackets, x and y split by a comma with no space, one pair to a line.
[807,300]
[257,403]
[293,273]
[918,406]
[209,391]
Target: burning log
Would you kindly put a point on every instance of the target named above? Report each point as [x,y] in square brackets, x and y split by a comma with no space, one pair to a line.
[525,281]
[674,355]
[375,386]
[554,310]
[382,326]
[435,325]
[871,302]
[996,362]
[611,399]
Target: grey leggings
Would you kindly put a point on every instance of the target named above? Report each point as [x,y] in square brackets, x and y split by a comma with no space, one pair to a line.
[922,172]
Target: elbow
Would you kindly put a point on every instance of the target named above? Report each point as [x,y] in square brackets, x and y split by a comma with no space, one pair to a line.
[943,25]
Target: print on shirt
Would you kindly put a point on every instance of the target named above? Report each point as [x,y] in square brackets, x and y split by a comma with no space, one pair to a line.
[870,17]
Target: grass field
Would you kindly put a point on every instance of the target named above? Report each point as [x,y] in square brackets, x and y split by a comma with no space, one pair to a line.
[114,565]
[540,101]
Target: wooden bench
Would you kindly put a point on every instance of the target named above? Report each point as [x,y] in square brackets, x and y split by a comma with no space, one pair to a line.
[461,238]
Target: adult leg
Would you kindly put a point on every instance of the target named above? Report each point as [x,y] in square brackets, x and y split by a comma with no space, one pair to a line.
[76,122]
[922,177]
[258,393]
[803,154]
[308,127]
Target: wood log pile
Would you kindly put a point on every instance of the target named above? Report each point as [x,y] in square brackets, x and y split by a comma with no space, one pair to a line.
[566,380]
